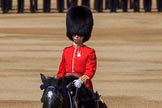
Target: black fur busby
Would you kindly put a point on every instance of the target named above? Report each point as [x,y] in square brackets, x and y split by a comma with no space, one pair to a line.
[79,21]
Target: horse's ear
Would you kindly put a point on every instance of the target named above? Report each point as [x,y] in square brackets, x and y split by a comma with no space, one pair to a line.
[43,78]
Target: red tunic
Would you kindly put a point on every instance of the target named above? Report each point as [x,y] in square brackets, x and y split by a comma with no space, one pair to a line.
[80,60]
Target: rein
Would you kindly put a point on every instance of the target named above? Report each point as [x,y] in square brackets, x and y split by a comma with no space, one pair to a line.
[75,98]
[65,90]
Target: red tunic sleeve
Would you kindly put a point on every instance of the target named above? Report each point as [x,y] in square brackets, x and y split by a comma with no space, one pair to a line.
[91,65]
[61,71]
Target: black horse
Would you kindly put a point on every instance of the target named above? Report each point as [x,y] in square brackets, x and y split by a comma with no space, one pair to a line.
[61,93]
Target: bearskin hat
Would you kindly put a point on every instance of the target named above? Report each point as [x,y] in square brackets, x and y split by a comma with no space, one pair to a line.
[79,21]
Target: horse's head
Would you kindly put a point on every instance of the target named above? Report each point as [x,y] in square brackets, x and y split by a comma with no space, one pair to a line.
[57,93]
[51,97]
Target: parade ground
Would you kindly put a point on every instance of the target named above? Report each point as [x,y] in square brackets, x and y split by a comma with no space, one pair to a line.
[128,48]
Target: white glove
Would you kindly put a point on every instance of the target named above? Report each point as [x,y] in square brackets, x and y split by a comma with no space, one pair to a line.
[78,83]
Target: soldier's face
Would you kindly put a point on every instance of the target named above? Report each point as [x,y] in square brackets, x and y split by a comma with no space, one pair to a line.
[78,39]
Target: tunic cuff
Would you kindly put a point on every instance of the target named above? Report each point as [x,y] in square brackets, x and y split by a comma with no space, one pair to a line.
[83,78]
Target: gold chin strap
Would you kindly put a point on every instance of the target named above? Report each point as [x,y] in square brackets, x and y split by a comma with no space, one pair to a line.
[83,78]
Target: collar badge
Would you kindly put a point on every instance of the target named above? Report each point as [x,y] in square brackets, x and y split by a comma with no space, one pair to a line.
[79,54]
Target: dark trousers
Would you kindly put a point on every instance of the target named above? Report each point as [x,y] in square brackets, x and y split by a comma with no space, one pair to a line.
[147,5]
[33,6]
[46,5]
[68,3]
[113,6]
[20,6]
[10,4]
[131,4]
[71,3]
[107,4]
[95,4]
[119,4]
[136,5]
[60,5]
[5,6]
[74,3]
[86,3]
[159,5]
[98,4]
[125,5]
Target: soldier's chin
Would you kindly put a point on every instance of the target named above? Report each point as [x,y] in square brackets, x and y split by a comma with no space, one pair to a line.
[75,41]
